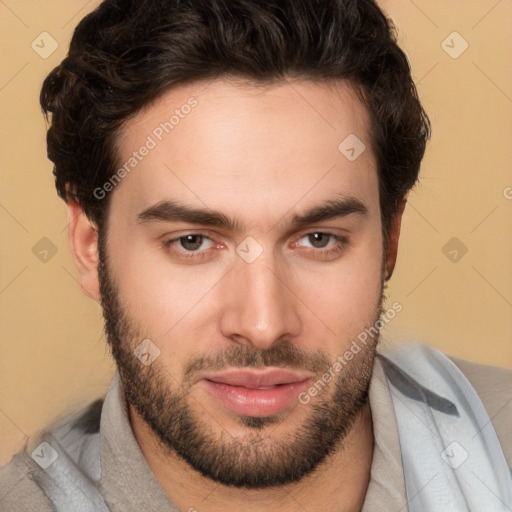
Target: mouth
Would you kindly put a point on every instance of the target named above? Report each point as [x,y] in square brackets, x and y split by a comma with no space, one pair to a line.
[256,393]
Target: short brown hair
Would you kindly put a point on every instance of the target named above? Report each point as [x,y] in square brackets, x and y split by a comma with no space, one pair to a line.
[127,52]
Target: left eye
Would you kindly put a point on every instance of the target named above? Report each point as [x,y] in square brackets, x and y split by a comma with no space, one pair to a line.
[320,240]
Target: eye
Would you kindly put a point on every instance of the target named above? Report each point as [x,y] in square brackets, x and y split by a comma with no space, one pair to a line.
[320,244]
[192,242]
[319,240]
[191,245]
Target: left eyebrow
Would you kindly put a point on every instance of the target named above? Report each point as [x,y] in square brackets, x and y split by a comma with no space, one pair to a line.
[331,210]
[171,211]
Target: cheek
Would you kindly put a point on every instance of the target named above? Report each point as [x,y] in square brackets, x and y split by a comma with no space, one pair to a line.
[161,298]
[345,296]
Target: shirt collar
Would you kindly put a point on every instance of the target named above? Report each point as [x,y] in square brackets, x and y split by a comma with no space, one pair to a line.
[127,482]
[386,490]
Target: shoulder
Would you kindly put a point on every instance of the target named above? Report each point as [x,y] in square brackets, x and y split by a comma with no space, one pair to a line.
[493,385]
[18,491]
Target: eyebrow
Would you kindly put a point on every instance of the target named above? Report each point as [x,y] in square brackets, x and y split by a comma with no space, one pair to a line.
[172,211]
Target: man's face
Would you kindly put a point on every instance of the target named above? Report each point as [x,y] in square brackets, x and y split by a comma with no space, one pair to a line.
[245,316]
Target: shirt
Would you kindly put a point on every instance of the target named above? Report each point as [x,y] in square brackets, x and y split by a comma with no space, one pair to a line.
[128,484]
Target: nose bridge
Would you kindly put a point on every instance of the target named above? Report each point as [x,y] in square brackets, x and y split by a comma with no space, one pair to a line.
[261,309]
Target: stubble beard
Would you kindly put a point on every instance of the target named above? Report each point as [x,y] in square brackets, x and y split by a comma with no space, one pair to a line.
[255,459]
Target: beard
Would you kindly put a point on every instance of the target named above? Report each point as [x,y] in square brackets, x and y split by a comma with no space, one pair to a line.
[254,459]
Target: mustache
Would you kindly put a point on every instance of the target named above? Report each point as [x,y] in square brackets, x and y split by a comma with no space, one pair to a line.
[281,355]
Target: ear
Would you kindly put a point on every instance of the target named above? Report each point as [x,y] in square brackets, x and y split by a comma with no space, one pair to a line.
[83,241]
[394,235]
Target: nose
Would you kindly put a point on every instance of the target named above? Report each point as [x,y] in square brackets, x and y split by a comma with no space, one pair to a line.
[259,307]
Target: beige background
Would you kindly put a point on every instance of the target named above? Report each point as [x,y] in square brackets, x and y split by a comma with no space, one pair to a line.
[53,355]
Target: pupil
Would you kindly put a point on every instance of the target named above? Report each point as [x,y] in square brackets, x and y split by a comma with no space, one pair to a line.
[319,240]
[191,242]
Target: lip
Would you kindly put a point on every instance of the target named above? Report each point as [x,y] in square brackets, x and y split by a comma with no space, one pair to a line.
[256,393]
[254,379]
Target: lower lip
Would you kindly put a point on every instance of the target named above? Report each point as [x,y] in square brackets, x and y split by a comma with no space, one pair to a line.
[256,402]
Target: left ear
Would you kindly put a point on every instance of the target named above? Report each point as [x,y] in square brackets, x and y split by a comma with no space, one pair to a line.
[394,235]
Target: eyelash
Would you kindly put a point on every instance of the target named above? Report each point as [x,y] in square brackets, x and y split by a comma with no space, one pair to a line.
[341,243]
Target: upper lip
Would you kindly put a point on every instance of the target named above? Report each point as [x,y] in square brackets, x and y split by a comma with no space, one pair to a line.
[255,379]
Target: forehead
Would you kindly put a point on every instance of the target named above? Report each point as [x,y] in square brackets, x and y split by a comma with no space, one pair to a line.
[228,145]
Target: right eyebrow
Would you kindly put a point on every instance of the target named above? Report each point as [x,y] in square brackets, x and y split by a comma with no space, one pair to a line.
[171,211]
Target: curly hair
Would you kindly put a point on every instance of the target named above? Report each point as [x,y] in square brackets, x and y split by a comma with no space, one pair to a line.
[126,53]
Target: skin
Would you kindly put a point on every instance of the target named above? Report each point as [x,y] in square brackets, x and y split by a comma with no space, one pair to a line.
[259,155]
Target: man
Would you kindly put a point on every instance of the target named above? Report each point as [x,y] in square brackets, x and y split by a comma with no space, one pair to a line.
[236,174]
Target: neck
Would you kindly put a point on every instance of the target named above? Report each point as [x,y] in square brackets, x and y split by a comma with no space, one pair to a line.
[338,484]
